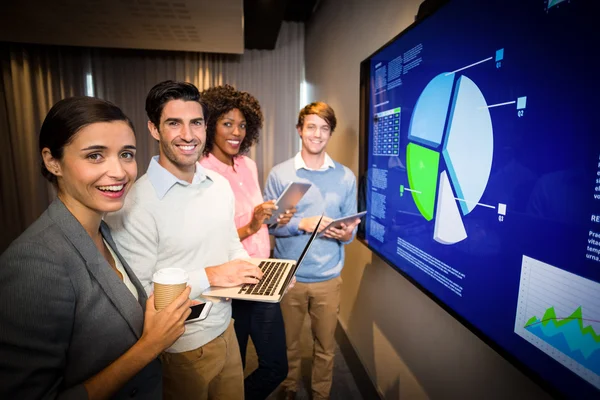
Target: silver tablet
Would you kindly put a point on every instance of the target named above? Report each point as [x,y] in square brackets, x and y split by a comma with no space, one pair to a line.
[343,220]
[288,199]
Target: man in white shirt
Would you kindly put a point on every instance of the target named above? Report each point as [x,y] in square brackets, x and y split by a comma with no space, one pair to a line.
[181,215]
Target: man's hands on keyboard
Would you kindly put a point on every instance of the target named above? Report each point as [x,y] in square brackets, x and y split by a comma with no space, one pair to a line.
[274,272]
[233,273]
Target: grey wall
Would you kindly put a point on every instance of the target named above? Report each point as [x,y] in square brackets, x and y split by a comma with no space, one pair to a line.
[411,348]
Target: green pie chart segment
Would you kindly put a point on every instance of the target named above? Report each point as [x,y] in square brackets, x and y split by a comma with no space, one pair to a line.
[422,167]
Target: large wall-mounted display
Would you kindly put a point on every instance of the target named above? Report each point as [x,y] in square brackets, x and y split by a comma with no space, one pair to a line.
[480,172]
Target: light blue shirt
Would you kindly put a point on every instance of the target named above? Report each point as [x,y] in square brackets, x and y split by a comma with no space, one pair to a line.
[163,180]
[333,192]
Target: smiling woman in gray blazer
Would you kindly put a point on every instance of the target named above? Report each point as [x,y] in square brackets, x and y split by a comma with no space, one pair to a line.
[72,320]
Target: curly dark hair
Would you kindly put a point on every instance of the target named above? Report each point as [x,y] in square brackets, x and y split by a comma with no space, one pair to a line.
[222,99]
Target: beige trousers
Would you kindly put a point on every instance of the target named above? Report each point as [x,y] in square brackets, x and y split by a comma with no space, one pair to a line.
[213,371]
[321,301]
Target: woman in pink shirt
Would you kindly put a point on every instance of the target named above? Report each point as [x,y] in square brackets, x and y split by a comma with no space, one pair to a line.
[234,124]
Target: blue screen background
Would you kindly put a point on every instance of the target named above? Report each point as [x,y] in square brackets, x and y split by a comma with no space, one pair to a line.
[545,163]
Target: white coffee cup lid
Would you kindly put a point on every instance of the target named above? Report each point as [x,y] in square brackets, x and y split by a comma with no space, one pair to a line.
[170,276]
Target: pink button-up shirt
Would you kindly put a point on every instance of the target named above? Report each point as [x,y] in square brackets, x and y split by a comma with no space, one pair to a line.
[244,182]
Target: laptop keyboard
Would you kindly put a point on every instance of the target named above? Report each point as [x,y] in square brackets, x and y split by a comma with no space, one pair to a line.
[273,273]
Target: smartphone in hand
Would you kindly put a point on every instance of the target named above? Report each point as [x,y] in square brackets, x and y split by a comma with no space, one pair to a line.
[199,312]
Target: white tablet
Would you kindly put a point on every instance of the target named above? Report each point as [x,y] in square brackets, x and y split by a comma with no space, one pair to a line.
[288,199]
[343,220]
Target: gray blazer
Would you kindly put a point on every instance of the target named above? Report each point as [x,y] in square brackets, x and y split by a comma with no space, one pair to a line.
[64,313]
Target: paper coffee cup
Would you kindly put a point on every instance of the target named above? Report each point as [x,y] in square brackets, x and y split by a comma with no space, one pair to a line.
[168,284]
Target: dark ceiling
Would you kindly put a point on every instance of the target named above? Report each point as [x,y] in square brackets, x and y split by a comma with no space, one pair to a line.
[263,18]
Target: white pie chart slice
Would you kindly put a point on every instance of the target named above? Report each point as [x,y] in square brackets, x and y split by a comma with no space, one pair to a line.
[469,144]
[449,227]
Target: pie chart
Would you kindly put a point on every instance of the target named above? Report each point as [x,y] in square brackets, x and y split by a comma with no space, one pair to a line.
[449,155]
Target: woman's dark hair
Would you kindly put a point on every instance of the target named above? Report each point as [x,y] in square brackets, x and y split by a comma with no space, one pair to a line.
[222,99]
[69,116]
[166,91]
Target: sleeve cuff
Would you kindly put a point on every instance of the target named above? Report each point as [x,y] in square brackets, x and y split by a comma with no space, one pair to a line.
[198,282]
[351,237]
[289,229]
[293,226]
[348,241]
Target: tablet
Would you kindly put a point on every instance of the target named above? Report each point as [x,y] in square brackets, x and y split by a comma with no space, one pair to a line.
[291,195]
[343,220]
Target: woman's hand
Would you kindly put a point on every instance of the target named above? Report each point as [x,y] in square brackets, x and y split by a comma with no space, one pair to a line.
[163,327]
[262,212]
[286,217]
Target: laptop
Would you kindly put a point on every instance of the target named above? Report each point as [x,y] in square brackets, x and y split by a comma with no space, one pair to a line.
[277,276]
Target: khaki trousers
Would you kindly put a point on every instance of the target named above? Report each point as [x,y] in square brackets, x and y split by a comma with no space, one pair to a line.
[321,301]
[213,371]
